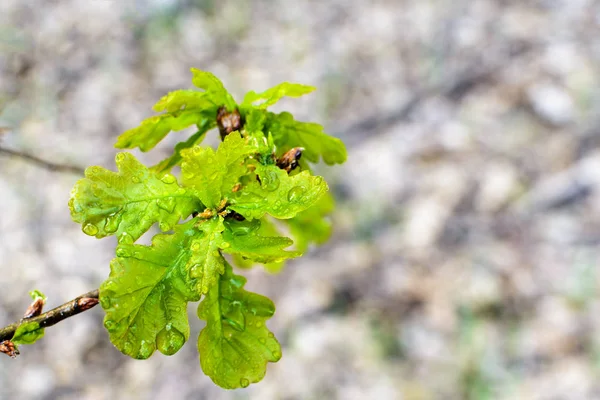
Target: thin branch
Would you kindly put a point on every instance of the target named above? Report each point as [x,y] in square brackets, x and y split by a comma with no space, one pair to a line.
[54,316]
[42,163]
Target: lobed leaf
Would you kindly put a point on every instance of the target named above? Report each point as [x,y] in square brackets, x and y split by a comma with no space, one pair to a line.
[278,194]
[183,99]
[215,91]
[152,130]
[274,94]
[235,346]
[206,263]
[128,201]
[254,247]
[146,294]
[212,174]
[289,133]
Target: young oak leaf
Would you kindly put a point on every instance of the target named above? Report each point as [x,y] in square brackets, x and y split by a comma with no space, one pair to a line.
[211,174]
[128,201]
[255,247]
[206,263]
[289,133]
[152,130]
[183,99]
[278,194]
[235,346]
[215,91]
[28,332]
[146,294]
[274,94]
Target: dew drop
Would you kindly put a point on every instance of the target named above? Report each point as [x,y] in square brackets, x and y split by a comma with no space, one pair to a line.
[125,238]
[110,325]
[295,194]
[90,229]
[167,204]
[123,251]
[270,181]
[169,341]
[168,179]
[196,271]
[195,246]
[120,157]
[164,226]
[271,335]
[146,349]
[276,354]
[112,223]
[135,179]
[258,324]
[262,341]
[127,347]
[244,382]
[318,180]
[197,150]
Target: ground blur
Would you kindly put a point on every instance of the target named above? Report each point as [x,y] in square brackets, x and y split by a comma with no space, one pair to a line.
[464,261]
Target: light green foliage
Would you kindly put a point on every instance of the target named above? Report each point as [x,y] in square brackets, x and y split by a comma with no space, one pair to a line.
[233,194]
[289,133]
[278,194]
[236,345]
[129,201]
[29,332]
[213,174]
[273,95]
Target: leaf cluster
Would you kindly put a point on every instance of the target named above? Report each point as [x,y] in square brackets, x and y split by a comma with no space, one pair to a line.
[225,202]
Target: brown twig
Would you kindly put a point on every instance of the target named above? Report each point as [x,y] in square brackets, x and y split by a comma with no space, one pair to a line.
[42,163]
[54,316]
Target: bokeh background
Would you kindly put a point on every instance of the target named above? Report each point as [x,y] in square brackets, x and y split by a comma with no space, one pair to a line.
[464,259]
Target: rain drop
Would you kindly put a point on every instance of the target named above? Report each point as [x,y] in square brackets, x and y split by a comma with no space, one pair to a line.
[123,251]
[270,181]
[125,238]
[120,157]
[168,179]
[295,194]
[244,382]
[127,347]
[196,271]
[169,341]
[135,179]
[90,229]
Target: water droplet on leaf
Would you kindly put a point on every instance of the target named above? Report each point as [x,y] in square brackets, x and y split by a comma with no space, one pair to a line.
[123,251]
[270,181]
[125,238]
[168,179]
[135,179]
[146,349]
[244,382]
[169,341]
[295,194]
[167,204]
[90,229]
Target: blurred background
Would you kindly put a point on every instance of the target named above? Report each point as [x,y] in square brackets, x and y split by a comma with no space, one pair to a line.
[464,259]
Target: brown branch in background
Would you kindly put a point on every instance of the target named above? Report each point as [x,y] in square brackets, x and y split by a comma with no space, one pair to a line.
[54,316]
[42,163]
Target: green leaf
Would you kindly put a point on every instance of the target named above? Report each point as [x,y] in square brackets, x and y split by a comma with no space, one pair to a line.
[146,294]
[289,133]
[310,225]
[215,91]
[167,164]
[28,333]
[212,174]
[36,294]
[254,247]
[183,99]
[152,130]
[206,263]
[278,194]
[235,346]
[273,95]
[129,201]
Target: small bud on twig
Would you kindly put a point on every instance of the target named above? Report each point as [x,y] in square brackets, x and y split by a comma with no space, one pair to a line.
[35,308]
[289,161]
[85,303]
[228,121]
[7,347]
